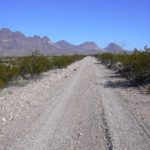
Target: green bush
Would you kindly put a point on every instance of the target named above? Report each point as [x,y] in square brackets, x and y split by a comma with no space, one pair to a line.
[11,68]
[34,65]
[7,73]
[136,65]
[64,61]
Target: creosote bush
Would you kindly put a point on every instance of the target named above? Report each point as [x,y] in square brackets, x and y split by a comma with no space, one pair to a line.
[136,66]
[7,73]
[11,68]
[64,61]
[34,64]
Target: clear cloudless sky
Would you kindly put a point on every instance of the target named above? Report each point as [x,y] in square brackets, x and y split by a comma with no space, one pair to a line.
[125,22]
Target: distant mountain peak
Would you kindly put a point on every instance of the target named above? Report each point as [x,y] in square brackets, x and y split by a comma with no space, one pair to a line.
[36,37]
[114,48]
[5,30]
[63,42]
[114,44]
[89,46]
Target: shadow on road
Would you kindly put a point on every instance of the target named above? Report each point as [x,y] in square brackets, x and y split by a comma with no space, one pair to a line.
[97,63]
[119,84]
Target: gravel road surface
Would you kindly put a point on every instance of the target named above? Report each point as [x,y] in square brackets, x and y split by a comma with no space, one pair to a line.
[74,109]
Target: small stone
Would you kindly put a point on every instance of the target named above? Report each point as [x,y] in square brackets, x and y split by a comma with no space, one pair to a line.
[2,98]
[10,92]
[17,81]
[74,69]
[3,119]
[79,134]
[65,76]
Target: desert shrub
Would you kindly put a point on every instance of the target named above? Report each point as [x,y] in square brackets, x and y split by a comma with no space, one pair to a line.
[11,68]
[37,64]
[2,83]
[64,61]
[136,65]
[34,64]
[7,73]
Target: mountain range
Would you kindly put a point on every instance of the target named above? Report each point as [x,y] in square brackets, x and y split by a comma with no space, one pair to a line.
[17,44]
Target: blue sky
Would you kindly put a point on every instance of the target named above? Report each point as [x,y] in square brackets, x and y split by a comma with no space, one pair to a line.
[126,22]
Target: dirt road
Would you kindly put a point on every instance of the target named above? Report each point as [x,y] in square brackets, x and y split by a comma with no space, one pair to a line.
[70,109]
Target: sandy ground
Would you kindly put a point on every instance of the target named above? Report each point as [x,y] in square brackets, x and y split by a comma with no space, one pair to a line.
[82,107]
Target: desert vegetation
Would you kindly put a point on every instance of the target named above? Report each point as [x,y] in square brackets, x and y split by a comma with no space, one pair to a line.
[135,67]
[12,68]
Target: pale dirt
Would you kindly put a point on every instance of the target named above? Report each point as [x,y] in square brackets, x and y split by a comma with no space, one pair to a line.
[75,109]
